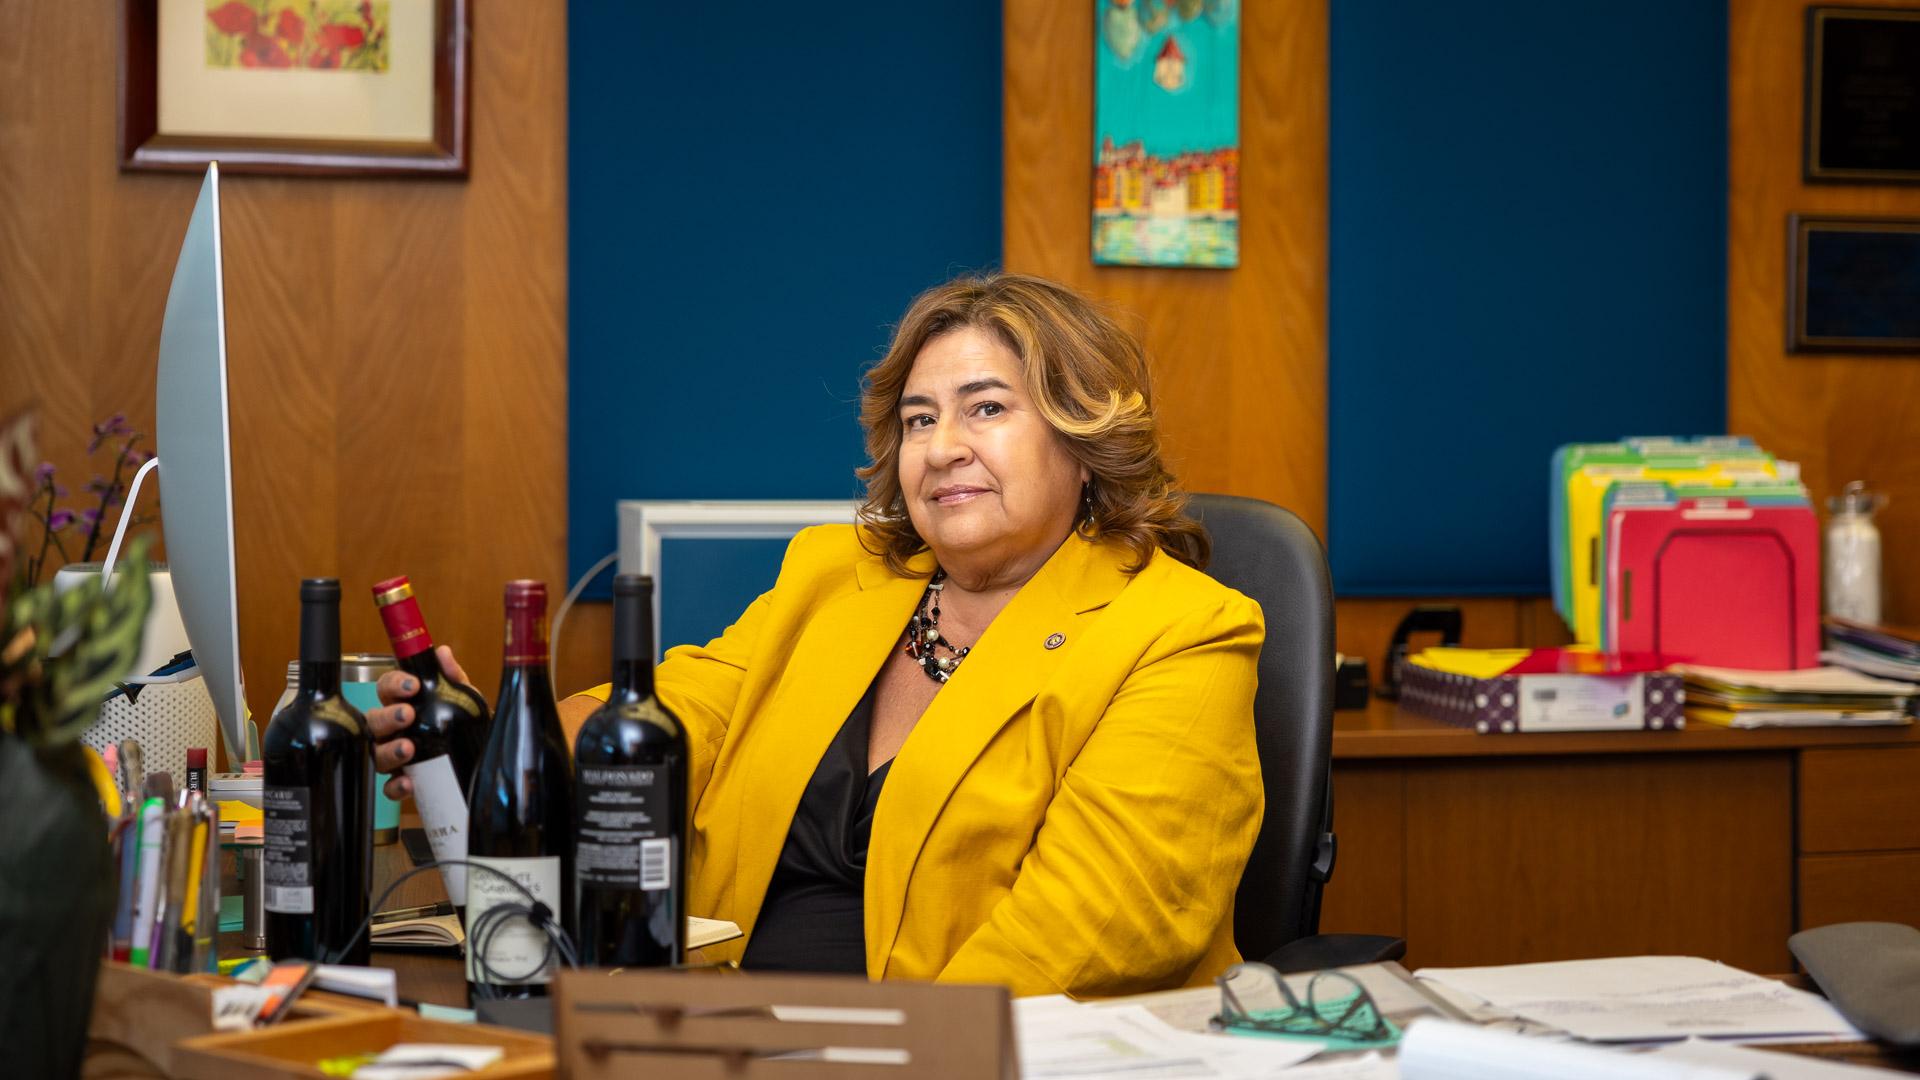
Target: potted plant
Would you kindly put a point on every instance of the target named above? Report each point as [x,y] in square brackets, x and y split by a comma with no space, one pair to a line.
[60,653]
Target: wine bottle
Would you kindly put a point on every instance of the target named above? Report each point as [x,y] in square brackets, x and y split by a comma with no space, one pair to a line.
[449,730]
[520,820]
[630,817]
[317,798]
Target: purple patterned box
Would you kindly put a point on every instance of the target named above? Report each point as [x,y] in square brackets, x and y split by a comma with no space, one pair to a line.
[1520,704]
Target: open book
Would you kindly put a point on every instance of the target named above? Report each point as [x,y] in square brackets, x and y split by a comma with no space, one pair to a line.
[443,931]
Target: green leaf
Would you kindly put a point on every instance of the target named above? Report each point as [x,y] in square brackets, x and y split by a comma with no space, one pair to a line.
[85,641]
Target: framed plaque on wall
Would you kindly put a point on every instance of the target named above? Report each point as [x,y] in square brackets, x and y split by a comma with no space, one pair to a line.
[1863,95]
[1853,285]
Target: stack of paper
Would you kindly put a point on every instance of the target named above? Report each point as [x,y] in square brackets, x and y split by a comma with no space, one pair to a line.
[1811,697]
[1648,999]
[1873,650]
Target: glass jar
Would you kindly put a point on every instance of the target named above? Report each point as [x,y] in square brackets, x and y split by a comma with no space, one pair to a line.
[1852,579]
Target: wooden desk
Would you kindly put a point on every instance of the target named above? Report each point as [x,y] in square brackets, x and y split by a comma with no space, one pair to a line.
[431,975]
[1492,849]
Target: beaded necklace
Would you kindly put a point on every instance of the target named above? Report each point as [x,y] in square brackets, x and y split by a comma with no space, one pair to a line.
[923,635]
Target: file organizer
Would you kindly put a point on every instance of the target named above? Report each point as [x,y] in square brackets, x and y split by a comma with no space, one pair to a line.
[1659,494]
[1572,457]
[1718,580]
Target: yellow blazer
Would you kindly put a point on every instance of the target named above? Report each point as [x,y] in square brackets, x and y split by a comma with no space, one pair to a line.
[1070,815]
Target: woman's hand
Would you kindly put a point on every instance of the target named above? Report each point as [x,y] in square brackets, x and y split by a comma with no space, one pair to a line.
[390,752]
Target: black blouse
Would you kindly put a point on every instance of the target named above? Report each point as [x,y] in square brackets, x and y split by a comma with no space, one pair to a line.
[814,914]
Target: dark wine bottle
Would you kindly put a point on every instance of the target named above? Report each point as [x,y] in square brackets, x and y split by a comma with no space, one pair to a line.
[449,730]
[521,815]
[630,821]
[317,797]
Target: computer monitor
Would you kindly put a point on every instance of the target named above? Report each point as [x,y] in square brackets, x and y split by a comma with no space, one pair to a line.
[196,466]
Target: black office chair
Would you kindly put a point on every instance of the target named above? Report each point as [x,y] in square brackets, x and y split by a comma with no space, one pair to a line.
[1271,556]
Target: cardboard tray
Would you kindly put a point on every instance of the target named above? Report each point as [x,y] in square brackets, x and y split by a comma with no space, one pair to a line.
[289,1051]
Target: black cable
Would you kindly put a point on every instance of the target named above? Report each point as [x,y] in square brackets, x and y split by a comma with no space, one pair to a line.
[487,925]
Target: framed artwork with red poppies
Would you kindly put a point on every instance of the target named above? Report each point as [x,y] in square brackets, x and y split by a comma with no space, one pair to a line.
[304,87]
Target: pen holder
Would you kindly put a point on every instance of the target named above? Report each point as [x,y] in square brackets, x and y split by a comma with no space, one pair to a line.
[167,719]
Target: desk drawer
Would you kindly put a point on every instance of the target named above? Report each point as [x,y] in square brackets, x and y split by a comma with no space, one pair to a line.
[1865,799]
[1855,888]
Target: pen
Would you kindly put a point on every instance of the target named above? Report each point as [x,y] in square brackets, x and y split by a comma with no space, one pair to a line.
[150,839]
[196,870]
[167,919]
[442,908]
[127,858]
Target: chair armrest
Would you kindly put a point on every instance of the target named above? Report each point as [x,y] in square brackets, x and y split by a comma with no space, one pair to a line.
[1336,950]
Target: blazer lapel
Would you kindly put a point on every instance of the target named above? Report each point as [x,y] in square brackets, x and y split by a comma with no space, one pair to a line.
[1007,667]
[838,654]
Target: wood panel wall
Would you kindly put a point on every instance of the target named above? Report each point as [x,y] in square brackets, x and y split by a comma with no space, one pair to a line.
[1843,417]
[1239,356]
[397,348]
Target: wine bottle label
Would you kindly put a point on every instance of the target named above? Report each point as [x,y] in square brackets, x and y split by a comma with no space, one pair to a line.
[443,811]
[286,857]
[516,951]
[623,827]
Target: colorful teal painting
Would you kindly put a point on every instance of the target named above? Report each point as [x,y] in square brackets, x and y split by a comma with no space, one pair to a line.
[1166,133]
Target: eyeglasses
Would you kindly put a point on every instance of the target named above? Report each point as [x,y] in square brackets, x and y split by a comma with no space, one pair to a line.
[1336,1007]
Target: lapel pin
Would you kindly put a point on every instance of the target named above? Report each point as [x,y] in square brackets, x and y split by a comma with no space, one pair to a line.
[1056,641]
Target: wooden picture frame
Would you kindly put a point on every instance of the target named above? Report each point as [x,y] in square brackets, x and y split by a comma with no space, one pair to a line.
[1861,97]
[1853,284]
[144,147]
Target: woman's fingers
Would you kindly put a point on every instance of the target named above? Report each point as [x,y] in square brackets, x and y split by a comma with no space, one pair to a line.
[396,686]
[392,755]
[398,788]
[451,666]
[388,720]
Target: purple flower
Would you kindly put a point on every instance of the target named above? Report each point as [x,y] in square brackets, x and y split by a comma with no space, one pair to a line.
[112,427]
[90,517]
[43,474]
[97,485]
[59,519]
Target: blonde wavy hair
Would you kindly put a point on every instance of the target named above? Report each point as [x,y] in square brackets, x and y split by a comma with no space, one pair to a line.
[1088,378]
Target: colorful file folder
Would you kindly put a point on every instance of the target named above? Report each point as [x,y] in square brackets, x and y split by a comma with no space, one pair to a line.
[1719,580]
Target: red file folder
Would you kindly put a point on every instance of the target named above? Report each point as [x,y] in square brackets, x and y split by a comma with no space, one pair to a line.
[1715,581]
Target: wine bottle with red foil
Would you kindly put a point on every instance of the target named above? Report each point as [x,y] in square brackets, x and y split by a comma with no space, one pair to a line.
[630,790]
[317,800]
[520,820]
[448,732]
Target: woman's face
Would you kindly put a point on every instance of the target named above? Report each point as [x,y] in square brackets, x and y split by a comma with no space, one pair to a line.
[986,479]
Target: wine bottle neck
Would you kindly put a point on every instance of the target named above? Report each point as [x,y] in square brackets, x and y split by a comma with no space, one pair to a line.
[406,629]
[320,677]
[526,643]
[424,666]
[633,639]
[632,679]
[320,644]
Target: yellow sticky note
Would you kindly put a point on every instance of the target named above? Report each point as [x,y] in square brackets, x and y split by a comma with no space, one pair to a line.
[240,813]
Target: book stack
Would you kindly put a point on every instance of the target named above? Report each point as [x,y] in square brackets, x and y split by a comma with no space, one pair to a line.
[1873,650]
[1809,697]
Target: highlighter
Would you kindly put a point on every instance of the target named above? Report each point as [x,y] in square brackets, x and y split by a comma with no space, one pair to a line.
[127,856]
[152,838]
[167,919]
[189,943]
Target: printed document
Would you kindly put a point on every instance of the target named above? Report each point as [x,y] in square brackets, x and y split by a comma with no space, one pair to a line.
[1648,998]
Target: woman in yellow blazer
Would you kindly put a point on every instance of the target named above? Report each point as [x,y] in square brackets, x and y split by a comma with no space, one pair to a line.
[1063,804]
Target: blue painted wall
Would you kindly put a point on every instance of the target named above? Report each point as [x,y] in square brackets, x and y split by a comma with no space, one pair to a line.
[755,194]
[1527,247]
